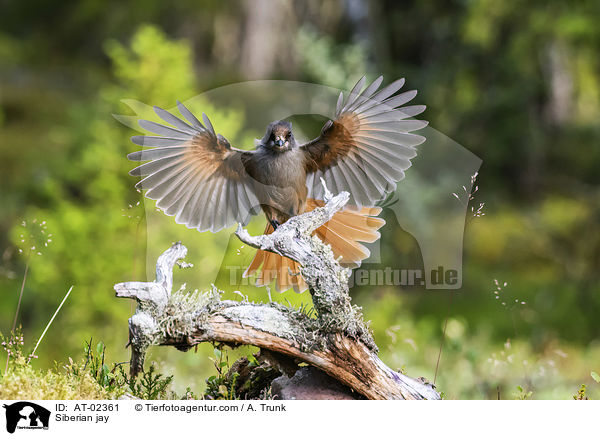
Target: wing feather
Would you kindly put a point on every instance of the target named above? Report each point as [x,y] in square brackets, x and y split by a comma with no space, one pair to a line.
[366,94]
[172,187]
[190,117]
[186,214]
[194,174]
[151,167]
[218,211]
[157,141]
[206,221]
[156,153]
[368,146]
[174,121]
[160,129]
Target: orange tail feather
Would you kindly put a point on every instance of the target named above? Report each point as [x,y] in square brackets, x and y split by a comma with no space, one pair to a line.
[343,233]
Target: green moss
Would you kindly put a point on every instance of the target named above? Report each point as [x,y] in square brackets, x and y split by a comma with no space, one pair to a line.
[25,382]
[88,379]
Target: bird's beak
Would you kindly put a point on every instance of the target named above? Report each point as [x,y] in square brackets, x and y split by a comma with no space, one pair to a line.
[279,141]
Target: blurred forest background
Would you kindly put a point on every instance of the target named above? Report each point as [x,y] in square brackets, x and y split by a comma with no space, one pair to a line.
[515,82]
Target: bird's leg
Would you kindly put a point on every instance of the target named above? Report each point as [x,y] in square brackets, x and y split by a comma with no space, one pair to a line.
[274,223]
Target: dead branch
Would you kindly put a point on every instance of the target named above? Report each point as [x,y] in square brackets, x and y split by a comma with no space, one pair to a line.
[337,341]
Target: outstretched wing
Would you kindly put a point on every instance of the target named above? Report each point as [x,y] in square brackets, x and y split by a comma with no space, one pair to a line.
[368,146]
[193,173]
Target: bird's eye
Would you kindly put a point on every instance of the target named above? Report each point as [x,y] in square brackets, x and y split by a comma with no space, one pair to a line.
[288,136]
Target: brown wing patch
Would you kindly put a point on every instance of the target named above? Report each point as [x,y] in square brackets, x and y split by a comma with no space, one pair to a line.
[337,140]
[367,147]
[195,176]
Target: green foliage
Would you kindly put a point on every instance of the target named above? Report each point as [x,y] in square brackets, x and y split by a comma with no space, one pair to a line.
[151,385]
[329,63]
[93,199]
[581,393]
[149,63]
[25,382]
[189,395]
[13,347]
[222,385]
[94,366]
[517,83]
[75,381]
[226,384]
[473,364]
[89,378]
[523,394]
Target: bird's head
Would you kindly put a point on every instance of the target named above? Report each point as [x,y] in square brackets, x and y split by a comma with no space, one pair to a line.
[279,137]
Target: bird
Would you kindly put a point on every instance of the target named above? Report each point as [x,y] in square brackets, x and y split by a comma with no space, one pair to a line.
[207,184]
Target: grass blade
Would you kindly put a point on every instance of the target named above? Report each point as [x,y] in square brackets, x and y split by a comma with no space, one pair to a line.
[50,322]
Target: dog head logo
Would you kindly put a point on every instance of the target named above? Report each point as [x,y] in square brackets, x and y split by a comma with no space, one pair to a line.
[26,415]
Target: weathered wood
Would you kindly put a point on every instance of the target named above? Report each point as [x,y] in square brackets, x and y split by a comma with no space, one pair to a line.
[337,341]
